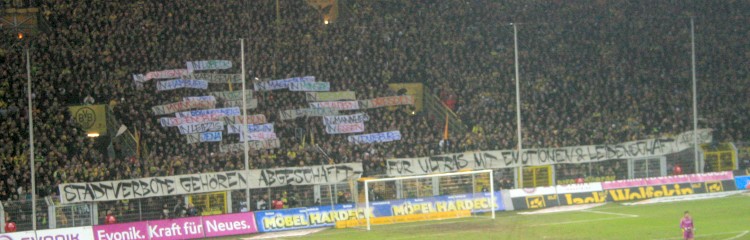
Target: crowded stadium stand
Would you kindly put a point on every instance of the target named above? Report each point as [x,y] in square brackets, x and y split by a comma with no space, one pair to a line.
[604,72]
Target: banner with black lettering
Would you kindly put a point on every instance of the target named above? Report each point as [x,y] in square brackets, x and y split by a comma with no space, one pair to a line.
[173,122]
[251,103]
[199,98]
[209,65]
[375,137]
[345,128]
[330,96]
[232,95]
[251,146]
[201,127]
[281,83]
[216,78]
[310,87]
[181,106]
[227,112]
[338,105]
[307,112]
[181,83]
[544,156]
[165,74]
[203,137]
[354,118]
[237,128]
[206,182]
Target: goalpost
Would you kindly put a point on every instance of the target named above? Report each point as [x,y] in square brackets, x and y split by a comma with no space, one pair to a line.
[427,197]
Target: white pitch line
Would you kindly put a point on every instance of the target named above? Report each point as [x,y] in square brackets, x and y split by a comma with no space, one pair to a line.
[579,221]
[741,233]
[611,213]
[738,235]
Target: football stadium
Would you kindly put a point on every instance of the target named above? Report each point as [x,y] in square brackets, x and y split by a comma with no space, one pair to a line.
[374,119]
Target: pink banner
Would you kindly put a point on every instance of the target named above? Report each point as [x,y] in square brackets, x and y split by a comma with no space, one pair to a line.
[132,231]
[175,229]
[229,224]
[700,177]
[714,176]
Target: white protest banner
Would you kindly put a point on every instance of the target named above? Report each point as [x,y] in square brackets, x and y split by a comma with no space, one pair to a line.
[139,78]
[237,128]
[216,78]
[281,83]
[232,95]
[354,118]
[166,74]
[181,106]
[307,112]
[232,111]
[173,122]
[181,83]
[375,137]
[199,98]
[345,128]
[204,137]
[258,136]
[386,101]
[252,103]
[330,96]
[339,105]
[209,65]
[251,119]
[201,127]
[206,182]
[252,146]
[545,156]
[310,86]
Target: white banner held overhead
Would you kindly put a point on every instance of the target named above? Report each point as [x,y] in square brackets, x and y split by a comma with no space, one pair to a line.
[252,146]
[281,83]
[204,137]
[307,112]
[228,112]
[173,122]
[258,136]
[216,78]
[544,156]
[330,96]
[181,106]
[209,65]
[310,87]
[251,103]
[386,101]
[181,83]
[345,128]
[354,118]
[166,74]
[199,98]
[237,128]
[232,95]
[206,182]
[201,127]
[375,137]
[339,105]
[250,119]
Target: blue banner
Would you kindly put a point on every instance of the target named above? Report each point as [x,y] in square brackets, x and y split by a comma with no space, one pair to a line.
[225,112]
[181,83]
[326,216]
[211,137]
[281,83]
[743,182]
[375,137]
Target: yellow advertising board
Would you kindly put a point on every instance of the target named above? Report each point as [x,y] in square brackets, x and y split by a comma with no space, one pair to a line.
[415,90]
[92,118]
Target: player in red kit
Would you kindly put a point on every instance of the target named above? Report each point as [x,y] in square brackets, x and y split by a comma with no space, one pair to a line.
[110,218]
[686,224]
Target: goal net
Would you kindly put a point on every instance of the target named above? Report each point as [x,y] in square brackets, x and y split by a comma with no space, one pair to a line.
[425,197]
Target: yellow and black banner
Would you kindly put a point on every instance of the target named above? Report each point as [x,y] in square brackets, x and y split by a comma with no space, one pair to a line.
[92,118]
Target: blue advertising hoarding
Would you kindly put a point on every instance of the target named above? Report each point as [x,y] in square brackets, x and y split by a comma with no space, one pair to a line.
[326,216]
[743,182]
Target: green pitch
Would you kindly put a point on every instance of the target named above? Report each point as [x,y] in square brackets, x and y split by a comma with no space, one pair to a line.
[721,218]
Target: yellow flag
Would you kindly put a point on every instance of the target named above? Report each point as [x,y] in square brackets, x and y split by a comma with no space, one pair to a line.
[445,131]
[230,84]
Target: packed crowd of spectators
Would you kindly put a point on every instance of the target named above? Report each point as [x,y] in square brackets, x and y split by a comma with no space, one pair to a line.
[600,72]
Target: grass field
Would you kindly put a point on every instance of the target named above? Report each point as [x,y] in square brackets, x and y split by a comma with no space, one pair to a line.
[722,218]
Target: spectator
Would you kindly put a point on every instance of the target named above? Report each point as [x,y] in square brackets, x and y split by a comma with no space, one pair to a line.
[110,218]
